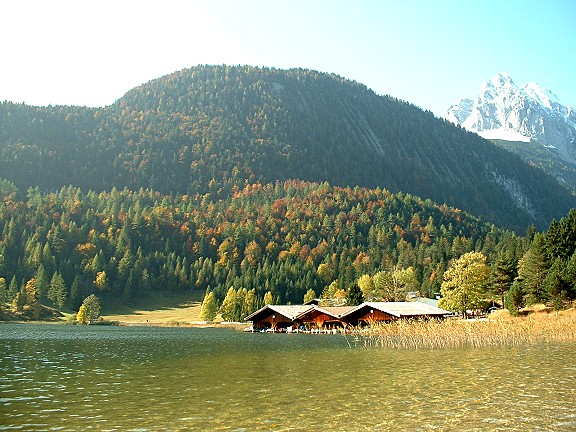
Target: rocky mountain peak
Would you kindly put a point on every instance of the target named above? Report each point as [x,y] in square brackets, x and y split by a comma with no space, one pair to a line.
[503,110]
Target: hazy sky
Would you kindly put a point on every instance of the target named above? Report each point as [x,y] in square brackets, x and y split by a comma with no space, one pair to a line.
[430,53]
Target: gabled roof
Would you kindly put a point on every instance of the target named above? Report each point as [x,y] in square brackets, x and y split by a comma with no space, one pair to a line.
[334,311]
[289,311]
[401,309]
[397,309]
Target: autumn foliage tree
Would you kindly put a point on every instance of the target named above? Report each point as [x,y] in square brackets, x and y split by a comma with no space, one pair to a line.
[464,283]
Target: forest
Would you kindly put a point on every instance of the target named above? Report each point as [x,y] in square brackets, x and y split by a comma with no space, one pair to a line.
[281,240]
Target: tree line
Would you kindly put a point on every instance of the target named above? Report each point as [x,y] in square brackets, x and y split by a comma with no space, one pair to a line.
[285,240]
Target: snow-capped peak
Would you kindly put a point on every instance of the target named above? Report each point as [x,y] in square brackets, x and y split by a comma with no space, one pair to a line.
[541,95]
[502,110]
[501,79]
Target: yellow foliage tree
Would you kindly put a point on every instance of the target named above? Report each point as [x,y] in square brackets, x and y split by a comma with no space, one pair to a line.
[101,281]
[82,316]
[209,308]
[268,298]
[464,282]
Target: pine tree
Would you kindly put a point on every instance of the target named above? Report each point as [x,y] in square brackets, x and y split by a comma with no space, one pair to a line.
[75,299]
[3,292]
[503,274]
[57,290]
[12,288]
[554,285]
[354,296]
[514,299]
[42,283]
[532,270]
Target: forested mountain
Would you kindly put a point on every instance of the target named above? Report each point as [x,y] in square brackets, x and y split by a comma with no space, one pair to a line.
[285,238]
[207,128]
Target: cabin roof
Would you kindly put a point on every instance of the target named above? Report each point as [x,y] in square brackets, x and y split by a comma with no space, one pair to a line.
[335,311]
[400,309]
[289,311]
[396,309]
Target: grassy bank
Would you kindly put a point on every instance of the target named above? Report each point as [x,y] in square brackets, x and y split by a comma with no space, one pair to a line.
[166,309]
[500,330]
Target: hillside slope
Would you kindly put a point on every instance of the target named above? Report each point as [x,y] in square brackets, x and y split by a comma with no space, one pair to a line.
[203,129]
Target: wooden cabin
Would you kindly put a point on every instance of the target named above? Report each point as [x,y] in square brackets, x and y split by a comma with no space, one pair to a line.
[311,316]
[373,312]
[324,317]
[277,317]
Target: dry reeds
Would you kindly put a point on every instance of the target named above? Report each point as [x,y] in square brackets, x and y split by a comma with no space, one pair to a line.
[455,333]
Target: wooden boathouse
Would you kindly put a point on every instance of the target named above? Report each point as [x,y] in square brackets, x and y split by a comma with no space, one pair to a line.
[373,312]
[312,316]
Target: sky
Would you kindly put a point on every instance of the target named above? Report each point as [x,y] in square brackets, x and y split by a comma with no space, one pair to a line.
[429,53]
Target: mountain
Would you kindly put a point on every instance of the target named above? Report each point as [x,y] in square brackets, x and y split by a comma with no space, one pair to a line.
[530,113]
[210,129]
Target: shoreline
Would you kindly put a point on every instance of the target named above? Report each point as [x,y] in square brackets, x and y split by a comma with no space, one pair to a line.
[115,323]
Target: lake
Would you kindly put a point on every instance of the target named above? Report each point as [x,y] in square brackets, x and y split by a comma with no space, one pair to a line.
[73,378]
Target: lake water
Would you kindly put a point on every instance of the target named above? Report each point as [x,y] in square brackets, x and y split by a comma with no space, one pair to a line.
[76,378]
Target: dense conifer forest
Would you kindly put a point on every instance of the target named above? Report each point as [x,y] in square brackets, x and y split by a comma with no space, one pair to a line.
[285,238]
[266,184]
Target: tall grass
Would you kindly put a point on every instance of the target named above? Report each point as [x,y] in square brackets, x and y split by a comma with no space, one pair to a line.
[453,333]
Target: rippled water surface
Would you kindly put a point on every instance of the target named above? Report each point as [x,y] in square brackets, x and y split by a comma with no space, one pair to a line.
[57,377]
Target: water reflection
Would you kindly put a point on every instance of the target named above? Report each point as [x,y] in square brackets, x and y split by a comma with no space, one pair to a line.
[150,379]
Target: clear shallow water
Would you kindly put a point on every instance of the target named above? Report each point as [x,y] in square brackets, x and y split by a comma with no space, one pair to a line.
[71,378]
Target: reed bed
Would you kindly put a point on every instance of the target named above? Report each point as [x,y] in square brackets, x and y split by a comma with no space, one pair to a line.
[456,333]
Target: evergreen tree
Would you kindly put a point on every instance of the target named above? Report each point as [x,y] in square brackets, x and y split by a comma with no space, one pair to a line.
[75,299]
[514,299]
[3,292]
[354,296]
[503,274]
[18,302]
[13,288]
[42,282]
[554,285]
[532,270]
[57,290]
